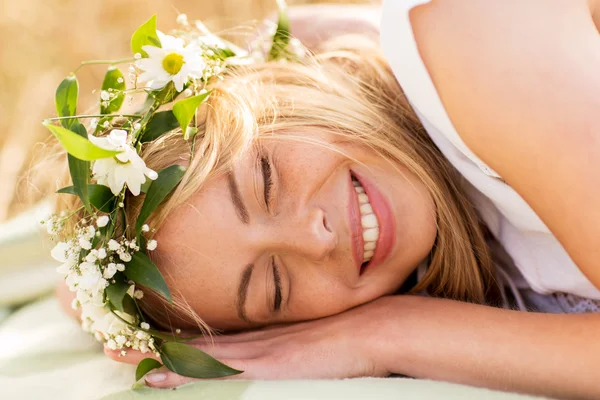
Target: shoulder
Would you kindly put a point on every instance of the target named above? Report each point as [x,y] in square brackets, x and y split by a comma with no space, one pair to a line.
[520,83]
[510,67]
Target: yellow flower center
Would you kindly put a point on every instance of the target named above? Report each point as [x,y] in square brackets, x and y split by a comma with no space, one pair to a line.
[172,63]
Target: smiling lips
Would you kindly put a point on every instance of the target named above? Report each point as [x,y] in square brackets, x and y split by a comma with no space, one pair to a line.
[372,224]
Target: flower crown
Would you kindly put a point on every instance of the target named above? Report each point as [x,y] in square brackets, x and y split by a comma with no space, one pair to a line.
[102,267]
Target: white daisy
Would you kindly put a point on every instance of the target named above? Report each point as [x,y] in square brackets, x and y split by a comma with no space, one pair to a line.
[126,167]
[171,62]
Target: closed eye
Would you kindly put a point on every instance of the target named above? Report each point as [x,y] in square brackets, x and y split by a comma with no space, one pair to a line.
[277,280]
[267,173]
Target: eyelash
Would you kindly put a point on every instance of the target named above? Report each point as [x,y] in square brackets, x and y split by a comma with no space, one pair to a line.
[277,279]
[267,172]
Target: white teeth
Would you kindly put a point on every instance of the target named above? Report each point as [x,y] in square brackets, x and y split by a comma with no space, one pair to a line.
[368,221]
[371,235]
[366,209]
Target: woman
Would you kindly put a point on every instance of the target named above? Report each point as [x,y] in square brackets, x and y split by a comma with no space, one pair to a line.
[326,194]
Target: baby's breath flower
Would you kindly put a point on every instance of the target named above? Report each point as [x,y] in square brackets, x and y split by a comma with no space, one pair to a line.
[104,95]
[124,256]
[113,245]
[145,326]
[110,270]
[145,228]
[102,221]
[182,19]
[101,254]
[120,267]
[137,56]
[152,244]
[138,294]
[85,243]
[93,123]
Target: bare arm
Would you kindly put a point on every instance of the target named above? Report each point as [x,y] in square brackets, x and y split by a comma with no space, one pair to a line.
[544,354]
[521,83]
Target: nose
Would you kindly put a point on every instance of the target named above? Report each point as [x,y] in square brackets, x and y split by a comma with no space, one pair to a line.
[307,234]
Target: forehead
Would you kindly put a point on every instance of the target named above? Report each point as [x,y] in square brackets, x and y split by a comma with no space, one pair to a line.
[196,256]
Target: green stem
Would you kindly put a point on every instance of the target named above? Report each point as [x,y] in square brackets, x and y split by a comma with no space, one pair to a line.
[106,62]
[95,116]
[145,120]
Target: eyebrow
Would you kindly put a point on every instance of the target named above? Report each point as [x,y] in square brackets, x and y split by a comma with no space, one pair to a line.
[243,292]
[236,199]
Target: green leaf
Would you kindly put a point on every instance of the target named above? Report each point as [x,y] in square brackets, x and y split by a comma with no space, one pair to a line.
[160,123]
[145,366]
[281,39]
[167,179]
[184,110]
[66,100]
[78,146]
[189,361]
[100,196]
[167,94]
[114,82]
[80,171]
[143,271]
[145,35]
[116,292]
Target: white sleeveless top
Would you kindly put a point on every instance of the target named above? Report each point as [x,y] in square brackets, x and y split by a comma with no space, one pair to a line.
[540,258]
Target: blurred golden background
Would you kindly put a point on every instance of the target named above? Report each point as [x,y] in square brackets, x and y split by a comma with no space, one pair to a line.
[44,40]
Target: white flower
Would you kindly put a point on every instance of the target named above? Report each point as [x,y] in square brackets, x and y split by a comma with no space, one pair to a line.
[145,325]
[89,232]
[85,244]
[124,256]
[104,95]
[145,228]
[182,19]
[102,221]
[120,267]
[171,62]
[113,245]
[151,245]
[60,252]
[110,270]
[138,294]
[101,254]
[126,167]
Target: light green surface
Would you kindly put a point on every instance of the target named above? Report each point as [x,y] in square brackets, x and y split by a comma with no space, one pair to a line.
[45,355]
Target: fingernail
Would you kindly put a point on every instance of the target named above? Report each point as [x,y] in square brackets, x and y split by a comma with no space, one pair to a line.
[156,377]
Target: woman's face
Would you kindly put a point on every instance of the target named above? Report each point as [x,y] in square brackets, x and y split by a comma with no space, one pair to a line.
[286,236]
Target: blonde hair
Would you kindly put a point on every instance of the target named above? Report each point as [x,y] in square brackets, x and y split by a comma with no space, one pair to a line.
[352,93]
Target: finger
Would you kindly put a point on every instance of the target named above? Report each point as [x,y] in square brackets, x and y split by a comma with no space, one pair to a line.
[166,379]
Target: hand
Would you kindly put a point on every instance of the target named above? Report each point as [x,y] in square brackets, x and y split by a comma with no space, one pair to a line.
[340,346]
